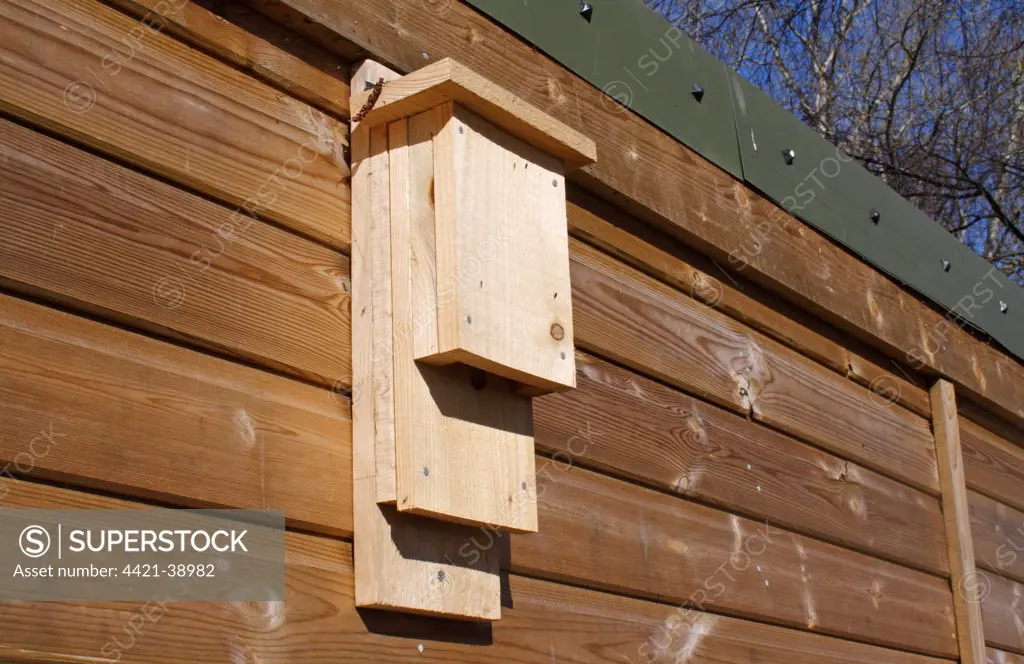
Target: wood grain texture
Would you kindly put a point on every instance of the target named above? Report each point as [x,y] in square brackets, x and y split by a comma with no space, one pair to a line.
[644,324]
[89,72]
[463,451]
[463,440]
[138,416]
[992,465]
[667,184]
[998,532]
[960,543]
[253,43]
[653,358]
[616,536]
[423,236]
[632,319]
[403,562]
[1003,657]
[808,401]
[371,363]
[890,380]
[150,448]
[372,331]
[316,33]
[1002,610]
[448,81]
[87,232]
[630,426]
[502,254]
[318,622]
[1005,429]
[663,257]
[377,208]
[282,339]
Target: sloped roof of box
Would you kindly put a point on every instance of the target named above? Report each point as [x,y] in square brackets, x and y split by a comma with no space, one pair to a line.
[447,80]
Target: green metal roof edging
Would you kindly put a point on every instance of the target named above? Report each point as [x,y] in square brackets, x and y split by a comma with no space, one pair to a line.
[639,59]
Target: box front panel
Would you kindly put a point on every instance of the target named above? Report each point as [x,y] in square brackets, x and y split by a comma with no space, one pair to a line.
[504,305]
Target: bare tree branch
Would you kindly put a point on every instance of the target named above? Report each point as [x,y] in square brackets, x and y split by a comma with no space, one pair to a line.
[927,94]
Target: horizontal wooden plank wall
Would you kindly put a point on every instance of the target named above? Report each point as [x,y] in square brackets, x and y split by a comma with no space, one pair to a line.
[1003,613]
[90,232]
[318,622]
[150,419]
[998,536]
[1002,657]
[196,24]
[175,112]
[174,288]
[784,390]
[628,425]
[667,184]
[699,349]
[252,52]
[751,472]
[250,41]
[890,587]
[70,387]
[665,258]
[994,465]
[780,401]
[995,475]
[667,549]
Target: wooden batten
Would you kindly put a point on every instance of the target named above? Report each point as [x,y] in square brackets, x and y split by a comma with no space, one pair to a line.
[462,310]
[966,600]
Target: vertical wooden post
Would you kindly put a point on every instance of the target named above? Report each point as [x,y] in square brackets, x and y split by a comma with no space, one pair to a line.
[966,604]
